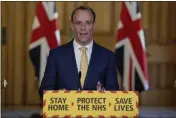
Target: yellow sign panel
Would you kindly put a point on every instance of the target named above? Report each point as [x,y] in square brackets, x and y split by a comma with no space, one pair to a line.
[90,103]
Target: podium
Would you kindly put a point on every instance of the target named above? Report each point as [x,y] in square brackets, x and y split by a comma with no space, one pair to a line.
[90,104]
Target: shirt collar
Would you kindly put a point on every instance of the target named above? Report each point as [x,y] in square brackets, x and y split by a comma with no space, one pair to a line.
[78,46]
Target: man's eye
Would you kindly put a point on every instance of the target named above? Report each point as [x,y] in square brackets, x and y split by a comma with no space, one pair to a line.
[89,23]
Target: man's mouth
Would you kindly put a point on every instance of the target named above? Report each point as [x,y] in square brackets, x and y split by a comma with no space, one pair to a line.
[83,34]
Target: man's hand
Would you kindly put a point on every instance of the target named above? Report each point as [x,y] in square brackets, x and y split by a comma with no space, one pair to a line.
[63,89]
[100,87]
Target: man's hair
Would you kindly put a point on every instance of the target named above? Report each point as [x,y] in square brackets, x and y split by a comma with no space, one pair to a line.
[84,8]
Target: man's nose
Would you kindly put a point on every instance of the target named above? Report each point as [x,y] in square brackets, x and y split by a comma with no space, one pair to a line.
[83,26]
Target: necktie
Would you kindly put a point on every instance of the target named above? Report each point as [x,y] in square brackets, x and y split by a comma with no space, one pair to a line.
[84,65]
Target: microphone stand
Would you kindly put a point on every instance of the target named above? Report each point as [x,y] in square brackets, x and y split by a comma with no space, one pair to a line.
[79,83]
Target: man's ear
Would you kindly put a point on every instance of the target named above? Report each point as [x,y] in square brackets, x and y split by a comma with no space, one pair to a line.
[94,24]
[72,25]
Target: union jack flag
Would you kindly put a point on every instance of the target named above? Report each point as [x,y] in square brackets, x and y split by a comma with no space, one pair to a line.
[45,36]
[130,49]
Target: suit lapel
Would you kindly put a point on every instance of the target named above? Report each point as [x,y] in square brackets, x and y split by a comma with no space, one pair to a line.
[72,58]
[93,62]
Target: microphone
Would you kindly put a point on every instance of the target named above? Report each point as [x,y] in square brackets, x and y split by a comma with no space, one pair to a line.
[79,83]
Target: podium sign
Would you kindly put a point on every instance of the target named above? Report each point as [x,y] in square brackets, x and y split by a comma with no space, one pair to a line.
[90,104]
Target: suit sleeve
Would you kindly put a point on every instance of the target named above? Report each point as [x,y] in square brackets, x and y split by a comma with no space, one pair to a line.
[49,79]
[111,77]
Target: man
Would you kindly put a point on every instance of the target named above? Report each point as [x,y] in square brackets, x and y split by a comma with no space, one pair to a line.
[81,63]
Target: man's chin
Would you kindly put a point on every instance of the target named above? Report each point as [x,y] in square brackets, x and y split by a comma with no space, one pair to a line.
[84,42]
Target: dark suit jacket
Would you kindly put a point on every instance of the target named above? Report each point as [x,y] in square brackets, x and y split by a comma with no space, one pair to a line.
[61,70]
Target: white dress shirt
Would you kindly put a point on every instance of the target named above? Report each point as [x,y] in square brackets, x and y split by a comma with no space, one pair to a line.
[78,52]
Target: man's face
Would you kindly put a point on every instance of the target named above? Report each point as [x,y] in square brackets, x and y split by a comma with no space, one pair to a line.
[83,26]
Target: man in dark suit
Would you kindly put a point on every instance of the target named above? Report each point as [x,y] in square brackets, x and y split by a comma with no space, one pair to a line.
[81,63]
